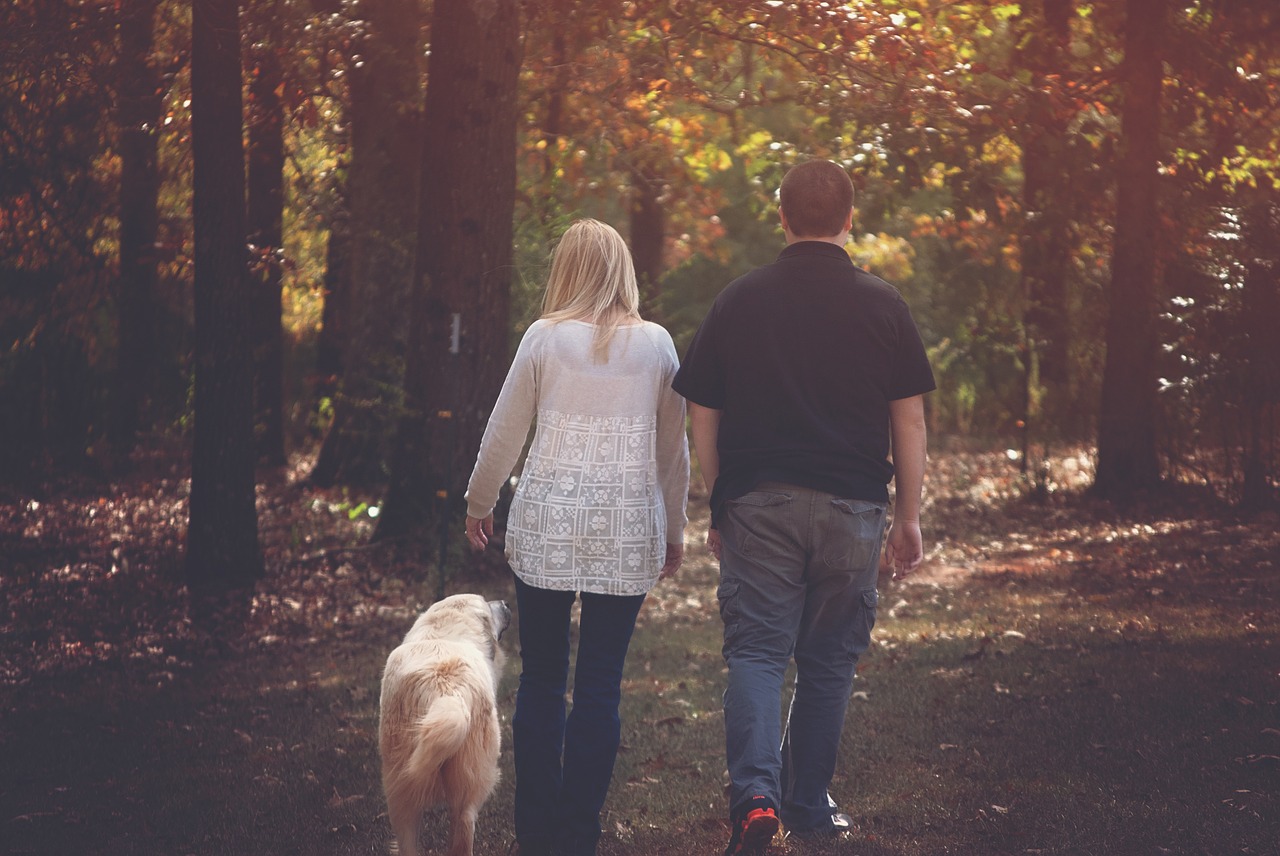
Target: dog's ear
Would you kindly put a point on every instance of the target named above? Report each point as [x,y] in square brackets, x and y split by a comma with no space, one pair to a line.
[499,617]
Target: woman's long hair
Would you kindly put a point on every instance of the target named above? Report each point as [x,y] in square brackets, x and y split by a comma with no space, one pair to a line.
[592,279]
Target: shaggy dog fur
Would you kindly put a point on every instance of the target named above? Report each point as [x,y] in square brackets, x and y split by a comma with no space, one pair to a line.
[438,731]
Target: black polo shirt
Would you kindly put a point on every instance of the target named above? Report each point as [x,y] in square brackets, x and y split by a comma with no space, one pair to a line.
[802,357]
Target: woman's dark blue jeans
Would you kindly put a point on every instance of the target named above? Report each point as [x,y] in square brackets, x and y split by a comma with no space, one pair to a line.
[563,765]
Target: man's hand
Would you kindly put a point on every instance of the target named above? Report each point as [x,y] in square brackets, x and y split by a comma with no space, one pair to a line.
[713,541]
[479,531]
[905,547]
[675,556]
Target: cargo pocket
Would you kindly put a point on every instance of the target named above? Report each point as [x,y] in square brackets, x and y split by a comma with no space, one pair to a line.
[864,622]
[730,609]
[855,528]
[870,601]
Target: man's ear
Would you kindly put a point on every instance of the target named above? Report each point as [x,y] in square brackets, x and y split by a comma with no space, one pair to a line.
[848,222]
[782,216]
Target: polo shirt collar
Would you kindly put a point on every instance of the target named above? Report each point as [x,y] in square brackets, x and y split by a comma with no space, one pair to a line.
[814,248]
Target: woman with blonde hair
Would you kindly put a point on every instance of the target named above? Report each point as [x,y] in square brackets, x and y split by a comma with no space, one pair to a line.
[599,511]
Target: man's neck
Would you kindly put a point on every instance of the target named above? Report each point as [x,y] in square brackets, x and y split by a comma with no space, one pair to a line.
[839,240]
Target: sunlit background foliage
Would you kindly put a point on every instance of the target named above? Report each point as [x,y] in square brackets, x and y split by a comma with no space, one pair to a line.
[675,120]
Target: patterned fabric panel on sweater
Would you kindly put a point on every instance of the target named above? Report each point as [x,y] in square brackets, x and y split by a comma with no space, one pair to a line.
[587,512]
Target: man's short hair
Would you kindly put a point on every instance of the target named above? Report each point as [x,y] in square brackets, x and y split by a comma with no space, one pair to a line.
[816,197]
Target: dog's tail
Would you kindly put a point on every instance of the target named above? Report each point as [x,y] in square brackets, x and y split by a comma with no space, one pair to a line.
[439,736]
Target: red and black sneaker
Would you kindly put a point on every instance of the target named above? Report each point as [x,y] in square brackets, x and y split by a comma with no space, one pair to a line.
[752,834]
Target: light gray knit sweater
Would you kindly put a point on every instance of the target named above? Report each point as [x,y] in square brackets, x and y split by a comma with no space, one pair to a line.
[606,482]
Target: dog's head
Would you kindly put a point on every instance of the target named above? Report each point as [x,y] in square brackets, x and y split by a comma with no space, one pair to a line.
[468,615]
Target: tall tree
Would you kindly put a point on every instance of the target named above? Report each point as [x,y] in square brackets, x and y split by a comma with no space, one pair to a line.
[386,142]
[463,273]
[1261,300]
[1127,419]
[222,534]
[58,201]
[265,119]
[648,234]
[333,339]
[138,116]
[1046,231]
[1261,387]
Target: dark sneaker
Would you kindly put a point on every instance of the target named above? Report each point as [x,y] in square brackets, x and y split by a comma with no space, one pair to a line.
[840,824]
[752,834]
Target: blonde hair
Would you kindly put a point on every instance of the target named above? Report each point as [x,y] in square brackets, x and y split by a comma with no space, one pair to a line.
[592,279]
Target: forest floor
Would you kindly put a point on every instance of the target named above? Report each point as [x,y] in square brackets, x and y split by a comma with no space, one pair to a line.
[1061,677]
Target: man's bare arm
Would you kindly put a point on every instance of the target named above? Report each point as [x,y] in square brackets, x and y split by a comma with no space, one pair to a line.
[704,426]
[905,548]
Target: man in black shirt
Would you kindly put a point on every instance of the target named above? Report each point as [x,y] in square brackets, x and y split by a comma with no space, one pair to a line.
[802,377]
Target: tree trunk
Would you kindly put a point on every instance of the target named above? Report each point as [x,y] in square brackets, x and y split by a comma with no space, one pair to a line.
[386,143]
[464,260]
[1261,306]
[332,341]
[222,535]
[1127,420]
[1046,236]
[139,121]
[265,225]
[555,100]
[648,234]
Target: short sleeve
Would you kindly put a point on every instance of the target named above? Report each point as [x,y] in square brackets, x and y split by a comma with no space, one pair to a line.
[701,375]
[911,372]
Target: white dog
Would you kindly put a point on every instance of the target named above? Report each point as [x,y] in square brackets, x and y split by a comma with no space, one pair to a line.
[438,733]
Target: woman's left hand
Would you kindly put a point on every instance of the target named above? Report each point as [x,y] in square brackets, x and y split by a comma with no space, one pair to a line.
[479,531]
[675,556]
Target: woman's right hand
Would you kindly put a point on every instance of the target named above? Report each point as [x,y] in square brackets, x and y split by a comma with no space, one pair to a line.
[479,531]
